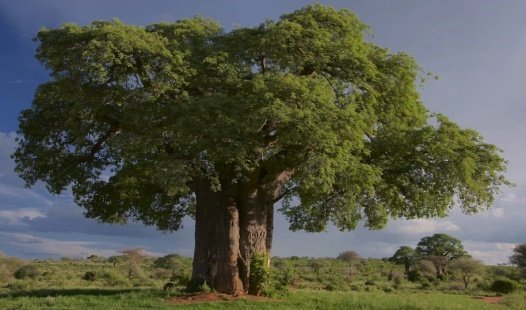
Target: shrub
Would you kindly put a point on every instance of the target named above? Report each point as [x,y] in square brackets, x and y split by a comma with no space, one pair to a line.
[89,276]
[114,278]
[182,278]
[414,275]
[388,289]
[28,271]
[18,286]
[503,285]
[193,287]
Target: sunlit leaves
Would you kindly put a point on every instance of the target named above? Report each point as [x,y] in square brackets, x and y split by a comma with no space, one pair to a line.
[133,116]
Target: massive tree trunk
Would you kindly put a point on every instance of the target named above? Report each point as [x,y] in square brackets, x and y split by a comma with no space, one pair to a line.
[231,226]
[216,253]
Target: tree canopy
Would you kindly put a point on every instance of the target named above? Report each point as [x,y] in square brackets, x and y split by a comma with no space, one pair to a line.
[133,114]
[441,245]
[155,123]
[406,256]
[467,267]
[518,258]
[349,256]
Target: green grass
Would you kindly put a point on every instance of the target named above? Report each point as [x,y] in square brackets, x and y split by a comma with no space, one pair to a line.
[87,299]
[142,298]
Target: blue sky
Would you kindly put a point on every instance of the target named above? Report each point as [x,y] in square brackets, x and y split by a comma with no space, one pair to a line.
[477,48]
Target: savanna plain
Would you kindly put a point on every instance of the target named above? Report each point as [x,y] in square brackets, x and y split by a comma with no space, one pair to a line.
[135,281]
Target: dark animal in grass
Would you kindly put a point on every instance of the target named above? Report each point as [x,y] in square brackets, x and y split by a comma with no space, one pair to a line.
[168,286]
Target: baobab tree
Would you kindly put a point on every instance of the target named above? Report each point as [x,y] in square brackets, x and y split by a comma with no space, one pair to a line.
[155,123]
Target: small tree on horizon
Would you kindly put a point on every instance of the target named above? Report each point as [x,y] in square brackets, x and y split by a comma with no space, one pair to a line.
[351,257]
[440,249]
[518,258]
[406,256]
[133,258]
[467,267]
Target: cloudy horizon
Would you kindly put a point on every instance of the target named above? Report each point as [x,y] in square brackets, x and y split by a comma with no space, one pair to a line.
[476,47]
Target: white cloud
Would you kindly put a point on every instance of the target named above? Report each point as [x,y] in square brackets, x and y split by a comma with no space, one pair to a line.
[498,212]
[7,143]
[428,226]
[491,253]
[511,198]
[23,194]
[13,217]
[26,243]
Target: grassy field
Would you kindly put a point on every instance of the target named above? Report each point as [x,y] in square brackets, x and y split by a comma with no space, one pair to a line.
[147,298]
[100,283]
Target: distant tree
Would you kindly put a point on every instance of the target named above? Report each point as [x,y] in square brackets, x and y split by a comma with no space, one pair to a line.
[133,258]
[406,256]
[66,259]
[426,267]
[115,260]
[170,261]
[440,249]
[351,257]
[97,259]
[518,258]
[467,267]
[317,265]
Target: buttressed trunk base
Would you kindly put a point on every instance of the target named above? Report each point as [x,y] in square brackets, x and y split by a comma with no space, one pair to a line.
[231,226]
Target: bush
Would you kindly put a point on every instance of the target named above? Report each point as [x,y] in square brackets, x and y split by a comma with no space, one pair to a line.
[198,288]
[388,289]
[414,275]
[181,278]
[504,285]
[114,278]
[19,286]
[267,281]
[89,276]
[28,271]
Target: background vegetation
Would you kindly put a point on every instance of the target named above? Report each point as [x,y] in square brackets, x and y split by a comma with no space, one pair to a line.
[133,280]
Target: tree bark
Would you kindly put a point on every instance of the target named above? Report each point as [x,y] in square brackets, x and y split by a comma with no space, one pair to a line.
[231,226]
[216,250]
[254,199]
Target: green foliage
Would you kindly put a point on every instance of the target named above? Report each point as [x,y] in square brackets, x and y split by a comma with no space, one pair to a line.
[170,261]
[18,286]
[467,268]
[198,288]
[518,258]
[504,286]
[414,275]
[349,256]
[259,273]
[406,256]
[182,277]
[133,258]
[307,94]
[441,245]
[28,271]
[114,278]
[89,276]
[304,109]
